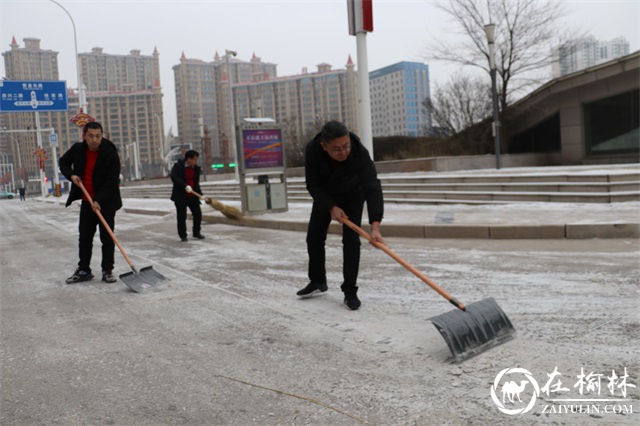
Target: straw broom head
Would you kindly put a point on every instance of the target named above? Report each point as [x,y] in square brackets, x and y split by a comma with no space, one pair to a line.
[228,211]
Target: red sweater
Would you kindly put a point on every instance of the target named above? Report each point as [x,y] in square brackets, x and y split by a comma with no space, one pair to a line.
[87,179]
[189,174]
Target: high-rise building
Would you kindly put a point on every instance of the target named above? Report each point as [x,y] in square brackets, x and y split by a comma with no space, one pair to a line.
[125,95]
[297,101]
[195,100]
[31,62]
[302,101]
[202,99]
[586,52]
[398,94]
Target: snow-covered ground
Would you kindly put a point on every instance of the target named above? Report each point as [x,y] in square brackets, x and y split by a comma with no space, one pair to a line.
[224,340]
[514,214]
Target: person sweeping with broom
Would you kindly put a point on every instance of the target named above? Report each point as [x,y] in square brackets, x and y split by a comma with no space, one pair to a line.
[340,176]
[185,176]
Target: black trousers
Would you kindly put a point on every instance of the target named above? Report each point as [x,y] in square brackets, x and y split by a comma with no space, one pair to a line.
[87,229]
[181,210]
[317,235]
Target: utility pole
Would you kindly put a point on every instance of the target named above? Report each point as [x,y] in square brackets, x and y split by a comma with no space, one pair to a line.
[489,30]
[232,113]
[136,153]
[360,23]
[204,152]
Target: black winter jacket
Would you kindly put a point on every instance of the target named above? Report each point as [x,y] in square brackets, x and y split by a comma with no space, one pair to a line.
[106,174]
[179,179]
[353,176]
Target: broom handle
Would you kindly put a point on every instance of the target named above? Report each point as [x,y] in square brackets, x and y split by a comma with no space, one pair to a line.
[197,195]
[107,227]
[401,261]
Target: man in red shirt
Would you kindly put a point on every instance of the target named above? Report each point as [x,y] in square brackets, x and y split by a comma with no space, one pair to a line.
[95,163]
[185,176]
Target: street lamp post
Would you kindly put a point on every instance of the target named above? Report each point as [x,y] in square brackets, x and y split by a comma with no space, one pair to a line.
[136,159]
[128,157]
[17,148]
[232,134]
[161,130]
[204,148]
[82,97]
[489,30]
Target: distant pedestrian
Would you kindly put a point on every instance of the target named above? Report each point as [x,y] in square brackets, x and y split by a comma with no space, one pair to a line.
[340,176]
[185,176]
[95,163]
[23,193]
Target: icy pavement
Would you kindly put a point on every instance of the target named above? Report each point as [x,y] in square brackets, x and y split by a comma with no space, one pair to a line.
[225,340]
[514,214]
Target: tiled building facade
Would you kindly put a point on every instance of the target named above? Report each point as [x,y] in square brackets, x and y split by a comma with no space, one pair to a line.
[398,94]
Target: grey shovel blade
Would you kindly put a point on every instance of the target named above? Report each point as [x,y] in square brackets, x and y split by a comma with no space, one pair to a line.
[144,279]
[482,326]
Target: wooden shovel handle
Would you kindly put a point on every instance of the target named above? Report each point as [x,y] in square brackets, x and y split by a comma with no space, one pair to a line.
[107,227]
[401,261]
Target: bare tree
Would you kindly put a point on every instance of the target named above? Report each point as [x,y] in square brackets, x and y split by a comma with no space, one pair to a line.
[525,34]
[297,138]
[294,144]
[461,102]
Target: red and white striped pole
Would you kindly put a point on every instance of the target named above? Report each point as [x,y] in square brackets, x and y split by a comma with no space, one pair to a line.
[360,23]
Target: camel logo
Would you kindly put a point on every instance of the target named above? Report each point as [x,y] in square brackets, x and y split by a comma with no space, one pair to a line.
[512,390]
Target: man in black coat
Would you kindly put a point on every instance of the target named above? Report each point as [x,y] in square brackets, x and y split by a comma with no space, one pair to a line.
[95,163]
[340,176]
[185,176]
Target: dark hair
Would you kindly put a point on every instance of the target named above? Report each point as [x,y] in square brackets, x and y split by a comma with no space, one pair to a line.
[92,125]
[191,154]
[333,130]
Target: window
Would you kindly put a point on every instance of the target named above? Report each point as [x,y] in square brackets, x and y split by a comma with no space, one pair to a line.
[543,137]
[612,125]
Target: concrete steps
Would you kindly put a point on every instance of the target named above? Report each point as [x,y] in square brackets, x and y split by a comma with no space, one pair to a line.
[474,188]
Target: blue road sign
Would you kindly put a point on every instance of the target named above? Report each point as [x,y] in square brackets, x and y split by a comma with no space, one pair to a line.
[33,96]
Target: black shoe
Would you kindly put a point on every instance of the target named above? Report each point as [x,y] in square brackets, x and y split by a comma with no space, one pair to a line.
[351,299]
[108,277]
[313,288]
[184,239]
[198,236]
[79,276]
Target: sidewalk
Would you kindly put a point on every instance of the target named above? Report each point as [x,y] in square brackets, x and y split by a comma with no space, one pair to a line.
[510,221]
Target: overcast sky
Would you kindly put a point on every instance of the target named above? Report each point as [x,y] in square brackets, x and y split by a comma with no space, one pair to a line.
[290,33]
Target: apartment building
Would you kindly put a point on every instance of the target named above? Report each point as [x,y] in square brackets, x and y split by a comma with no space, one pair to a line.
[586,52]
[398,94]
[32,62]
[202,98]
[123,93]
[303,100]
[297,101]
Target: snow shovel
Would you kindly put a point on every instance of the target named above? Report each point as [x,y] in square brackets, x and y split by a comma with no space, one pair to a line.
[470,329]
[136,280]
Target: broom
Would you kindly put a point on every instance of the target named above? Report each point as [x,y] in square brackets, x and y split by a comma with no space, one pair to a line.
[228,211]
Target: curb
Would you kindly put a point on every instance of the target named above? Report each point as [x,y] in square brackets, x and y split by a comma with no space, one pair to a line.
[445,231]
